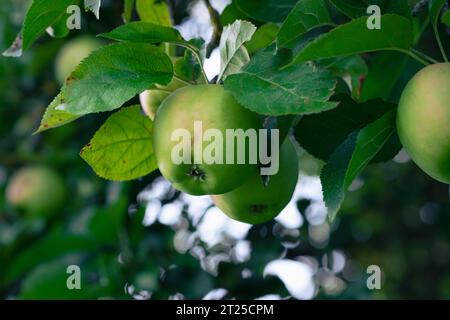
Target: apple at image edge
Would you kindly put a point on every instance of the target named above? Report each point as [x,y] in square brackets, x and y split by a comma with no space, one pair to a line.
[423,120]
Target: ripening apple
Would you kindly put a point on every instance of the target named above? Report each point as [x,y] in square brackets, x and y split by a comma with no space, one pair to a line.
[423,120]
[72,53]
[38,191]
[151,99]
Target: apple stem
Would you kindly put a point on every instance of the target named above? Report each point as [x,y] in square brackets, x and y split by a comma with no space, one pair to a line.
[441,47]
[196,55]
[423,55]
[415,56]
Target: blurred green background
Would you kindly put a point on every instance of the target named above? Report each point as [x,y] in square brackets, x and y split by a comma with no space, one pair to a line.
[143,240]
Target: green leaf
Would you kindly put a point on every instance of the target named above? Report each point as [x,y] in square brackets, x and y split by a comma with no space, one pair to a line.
[41,15]
[106,225]
[50,247]
[122,148]
[94,6]
[263,37]
[378,83]
[446,18]
[302,41]
[351,157]
[49,281]
[188,68]
[54,116]
[391,148]
[59,29]
[231,13]
[320,134]
[306,15]
[357,8]
[354,38]
[435,11]
[154,11]
[283,123]
[233,54]
[299,89]
[436,7]
[113,75]
[266,10]
[144,32]
[352,69]
[128,6]
[196,46]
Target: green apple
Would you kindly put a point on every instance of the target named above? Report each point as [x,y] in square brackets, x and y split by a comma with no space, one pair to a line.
[423,120]
[215,109]
[36,190]
[151,99]
[253,202]
[72,53]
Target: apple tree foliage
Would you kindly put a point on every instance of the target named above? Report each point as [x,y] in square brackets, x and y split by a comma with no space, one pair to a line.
[311,67]
[315,62]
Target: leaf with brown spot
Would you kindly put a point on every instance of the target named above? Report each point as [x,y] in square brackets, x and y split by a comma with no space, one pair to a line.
[122,148]
[55,115]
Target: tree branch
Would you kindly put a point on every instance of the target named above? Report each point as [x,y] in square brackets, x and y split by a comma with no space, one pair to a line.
[217,32]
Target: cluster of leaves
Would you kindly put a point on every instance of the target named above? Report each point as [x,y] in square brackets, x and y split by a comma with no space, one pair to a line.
[285,59]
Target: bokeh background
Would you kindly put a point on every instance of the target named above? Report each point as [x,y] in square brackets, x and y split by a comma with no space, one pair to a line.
[144,240]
